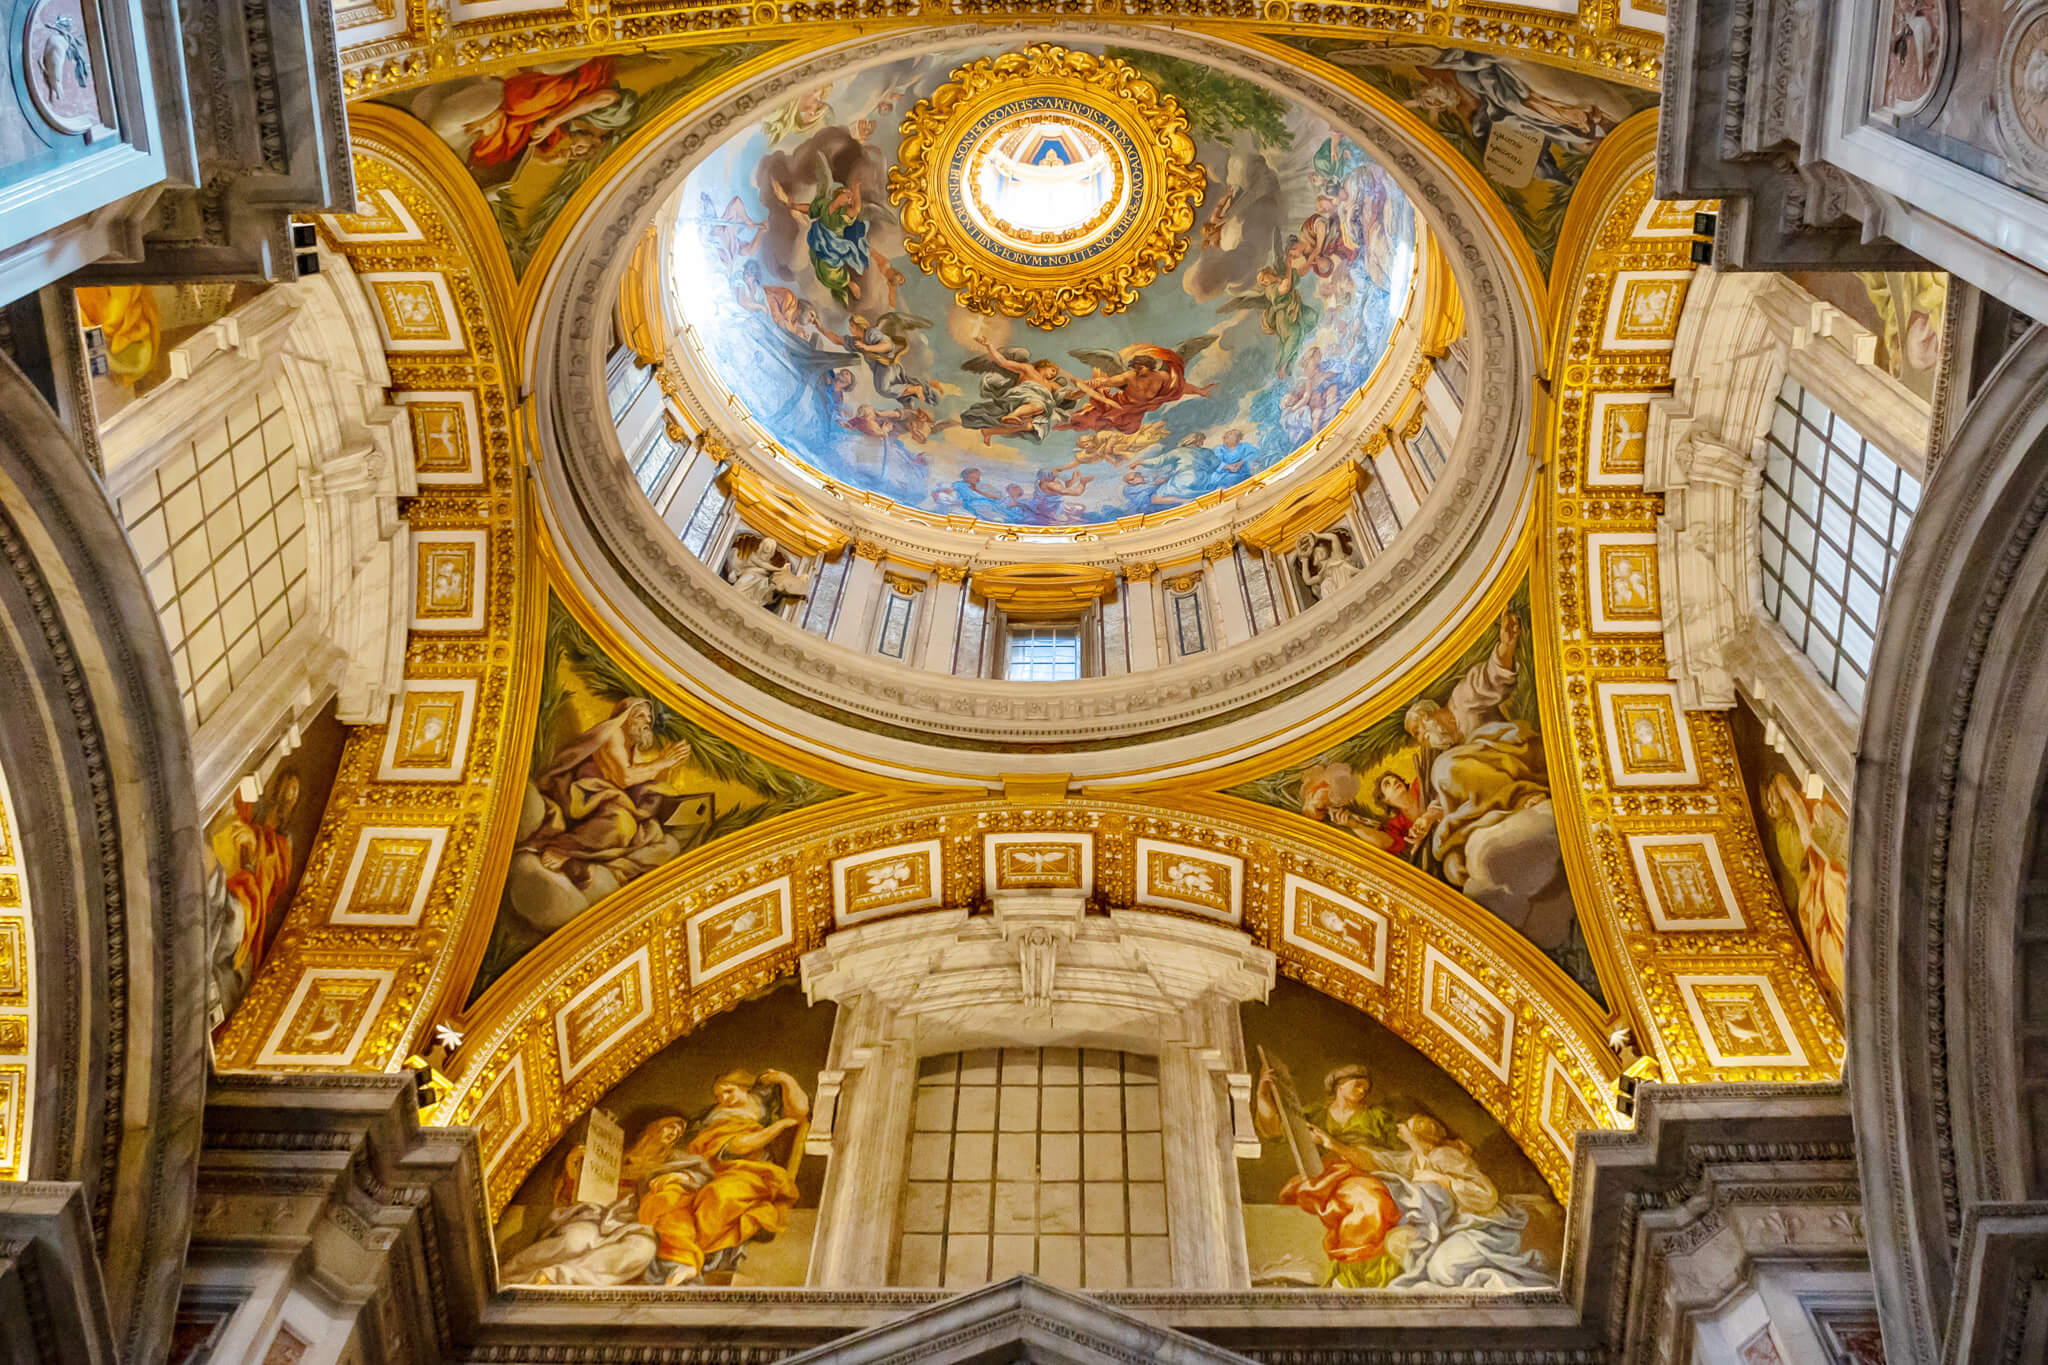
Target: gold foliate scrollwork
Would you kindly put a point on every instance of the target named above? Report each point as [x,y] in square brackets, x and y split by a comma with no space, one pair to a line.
[1150,184]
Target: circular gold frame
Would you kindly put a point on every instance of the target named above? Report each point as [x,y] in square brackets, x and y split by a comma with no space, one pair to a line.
[1051,287]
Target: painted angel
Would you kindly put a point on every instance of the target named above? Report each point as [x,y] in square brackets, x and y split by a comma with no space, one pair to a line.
[1127,384]
[1283,313]
[837,221]
[1020,395]
[882,343]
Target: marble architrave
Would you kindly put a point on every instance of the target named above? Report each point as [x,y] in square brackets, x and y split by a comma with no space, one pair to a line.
[1945,1057]
[1038,973]
[100,782]
[1741,335]
[1779,109]
[316,342]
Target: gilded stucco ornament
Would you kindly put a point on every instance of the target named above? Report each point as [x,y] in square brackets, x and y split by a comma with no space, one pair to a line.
[1046,184]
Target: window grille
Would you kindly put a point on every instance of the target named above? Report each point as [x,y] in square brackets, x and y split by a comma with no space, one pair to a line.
[1043,653]
[1042,1161]
[1833,518]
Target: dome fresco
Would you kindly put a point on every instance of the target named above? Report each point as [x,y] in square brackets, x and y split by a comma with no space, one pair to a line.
[804,304]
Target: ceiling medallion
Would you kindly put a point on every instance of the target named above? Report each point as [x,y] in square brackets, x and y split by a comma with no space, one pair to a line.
[1046,184]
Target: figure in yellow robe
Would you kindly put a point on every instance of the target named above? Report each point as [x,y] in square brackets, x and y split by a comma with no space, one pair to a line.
[722,1190]
[1488,827]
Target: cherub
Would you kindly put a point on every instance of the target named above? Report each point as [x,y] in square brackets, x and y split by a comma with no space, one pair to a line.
[1020,396]
[733,233]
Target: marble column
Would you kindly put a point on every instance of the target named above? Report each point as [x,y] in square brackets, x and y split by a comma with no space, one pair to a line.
[1205,1216]
[861,1206]
[1226,590]
[1398,480]
[693,474]
[941,625]
[1141,612]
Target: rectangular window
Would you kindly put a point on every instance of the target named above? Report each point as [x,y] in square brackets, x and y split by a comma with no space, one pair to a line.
[967,649]
[1428,453]
[1258,589]
[220,530]
[1833,517]
[1379,511]
[1043,653]
[655,461]
[710,507]
[823,605]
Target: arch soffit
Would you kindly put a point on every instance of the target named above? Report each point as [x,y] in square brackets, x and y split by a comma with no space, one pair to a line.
[347,984]
[681,611]
[1947,771]
[1663,852]
[1449,979]
[100,786]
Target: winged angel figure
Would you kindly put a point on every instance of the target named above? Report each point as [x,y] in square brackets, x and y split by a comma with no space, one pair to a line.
[837,222]
[1126,384]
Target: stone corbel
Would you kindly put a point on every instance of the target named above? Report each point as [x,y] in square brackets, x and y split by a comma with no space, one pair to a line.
[1037,924]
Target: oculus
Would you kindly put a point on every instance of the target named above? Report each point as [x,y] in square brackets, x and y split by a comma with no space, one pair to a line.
[1046,184]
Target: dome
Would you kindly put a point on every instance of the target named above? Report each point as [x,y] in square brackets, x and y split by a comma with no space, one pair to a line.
[990,286]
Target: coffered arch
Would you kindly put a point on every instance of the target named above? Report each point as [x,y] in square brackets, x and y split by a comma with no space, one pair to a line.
[614,987]
[1716,981]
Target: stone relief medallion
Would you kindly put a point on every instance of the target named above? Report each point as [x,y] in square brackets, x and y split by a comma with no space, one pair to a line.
[1046,184]
[2022,93]
[59,67]
[1916,60]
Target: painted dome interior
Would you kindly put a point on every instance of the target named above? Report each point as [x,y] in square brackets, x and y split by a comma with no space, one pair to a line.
[857,368]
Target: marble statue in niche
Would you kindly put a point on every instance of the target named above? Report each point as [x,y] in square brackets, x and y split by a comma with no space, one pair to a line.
[763,574]
[1324,562]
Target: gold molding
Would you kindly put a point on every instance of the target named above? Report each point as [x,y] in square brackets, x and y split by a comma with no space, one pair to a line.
[18,1070]
[1443,306]
[1656,976]
[431,46]
[1554,1028]
[1313,508]
[1043,589]
[387,984]
[641,323]
[1051,283]
[769,510]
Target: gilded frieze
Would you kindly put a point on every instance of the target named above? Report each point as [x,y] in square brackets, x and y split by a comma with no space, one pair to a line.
[17,998]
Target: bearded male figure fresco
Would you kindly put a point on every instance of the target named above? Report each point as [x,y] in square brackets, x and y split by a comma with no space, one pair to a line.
[1456,783]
